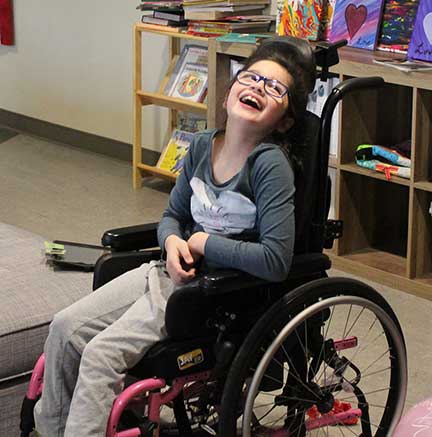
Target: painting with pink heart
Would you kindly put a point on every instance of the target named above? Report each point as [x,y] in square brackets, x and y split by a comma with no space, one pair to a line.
[420,46]
[357,21]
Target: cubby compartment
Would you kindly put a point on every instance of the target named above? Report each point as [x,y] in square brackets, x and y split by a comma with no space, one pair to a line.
[379,116]
[375,216]
[421,259]
[423,139]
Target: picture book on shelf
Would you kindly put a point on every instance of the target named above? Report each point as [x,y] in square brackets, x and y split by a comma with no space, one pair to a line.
[397,24]
[420,46]
[191,82]
[191,122]
[357,21]
[299,18]
[191,53]
[173,155]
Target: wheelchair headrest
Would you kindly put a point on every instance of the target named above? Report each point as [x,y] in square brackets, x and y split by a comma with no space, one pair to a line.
[299,48]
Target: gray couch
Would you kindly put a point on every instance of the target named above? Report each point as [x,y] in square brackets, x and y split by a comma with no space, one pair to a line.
[31,292]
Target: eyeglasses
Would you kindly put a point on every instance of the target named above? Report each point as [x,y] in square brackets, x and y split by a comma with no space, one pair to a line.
[272,87]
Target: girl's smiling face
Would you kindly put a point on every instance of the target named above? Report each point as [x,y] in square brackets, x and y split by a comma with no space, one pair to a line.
[252,105]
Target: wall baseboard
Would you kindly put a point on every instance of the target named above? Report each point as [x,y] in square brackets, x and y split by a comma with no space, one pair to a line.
[65,135]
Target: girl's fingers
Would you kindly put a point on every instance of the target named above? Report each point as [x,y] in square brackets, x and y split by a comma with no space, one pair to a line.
[186,254]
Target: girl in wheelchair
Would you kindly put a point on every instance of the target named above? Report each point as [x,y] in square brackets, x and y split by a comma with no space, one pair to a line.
[236,182]
[273,348]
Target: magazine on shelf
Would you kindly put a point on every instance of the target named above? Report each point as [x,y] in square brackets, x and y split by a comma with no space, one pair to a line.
[173,155]
[218,12]
[404,65]
[191,82]
[191,53]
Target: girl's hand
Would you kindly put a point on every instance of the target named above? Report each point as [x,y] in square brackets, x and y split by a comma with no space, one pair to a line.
[197,244]
[179,260]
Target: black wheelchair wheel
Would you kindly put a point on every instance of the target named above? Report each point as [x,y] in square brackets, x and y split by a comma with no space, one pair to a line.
[328,359]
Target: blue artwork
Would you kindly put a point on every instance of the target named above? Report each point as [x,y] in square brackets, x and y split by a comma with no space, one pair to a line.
[420,46]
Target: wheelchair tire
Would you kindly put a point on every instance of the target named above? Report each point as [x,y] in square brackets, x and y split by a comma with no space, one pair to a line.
[294,336]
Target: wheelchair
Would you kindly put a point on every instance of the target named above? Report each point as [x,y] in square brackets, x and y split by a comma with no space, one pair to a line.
[245,357]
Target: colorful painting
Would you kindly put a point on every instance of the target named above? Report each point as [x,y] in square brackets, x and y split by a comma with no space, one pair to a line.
[299,18]
[397,25]
[327,19]
[420,46]
[357,21]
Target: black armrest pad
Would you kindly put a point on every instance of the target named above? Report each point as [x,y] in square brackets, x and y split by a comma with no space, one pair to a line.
[131,237]
[225,281]
[111,265]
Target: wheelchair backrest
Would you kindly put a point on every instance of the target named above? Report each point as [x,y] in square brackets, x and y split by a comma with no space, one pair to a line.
[307,184]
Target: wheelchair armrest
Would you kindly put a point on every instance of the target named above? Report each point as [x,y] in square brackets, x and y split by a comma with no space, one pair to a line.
[225,281]
[111,265]
[131,237]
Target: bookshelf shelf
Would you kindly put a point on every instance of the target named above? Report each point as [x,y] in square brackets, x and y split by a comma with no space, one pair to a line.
[144,98]
[387,225]
[354,168]
[155,171]
[140,27]
[423,185]
[171,102]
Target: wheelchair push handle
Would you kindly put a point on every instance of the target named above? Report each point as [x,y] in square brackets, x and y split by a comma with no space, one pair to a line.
[358,83]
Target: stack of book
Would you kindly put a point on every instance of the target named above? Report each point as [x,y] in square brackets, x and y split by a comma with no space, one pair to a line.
[217,9]
[163,15]
[237,24]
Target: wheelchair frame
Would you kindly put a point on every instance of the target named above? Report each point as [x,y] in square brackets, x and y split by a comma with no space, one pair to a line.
[230,364]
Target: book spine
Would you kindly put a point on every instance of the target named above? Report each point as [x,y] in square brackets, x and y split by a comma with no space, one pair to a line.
[168,16]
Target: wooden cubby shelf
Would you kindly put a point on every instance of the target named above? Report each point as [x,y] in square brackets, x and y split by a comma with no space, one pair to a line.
[387,226]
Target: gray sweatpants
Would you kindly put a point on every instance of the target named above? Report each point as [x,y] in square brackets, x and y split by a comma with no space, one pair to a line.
[90,346]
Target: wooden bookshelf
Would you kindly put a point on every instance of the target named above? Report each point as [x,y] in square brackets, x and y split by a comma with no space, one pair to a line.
[144,98]
[387,225]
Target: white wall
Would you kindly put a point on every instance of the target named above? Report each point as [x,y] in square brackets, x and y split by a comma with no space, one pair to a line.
[72,65]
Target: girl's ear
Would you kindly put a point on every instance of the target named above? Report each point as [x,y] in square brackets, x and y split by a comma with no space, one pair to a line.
[285,125]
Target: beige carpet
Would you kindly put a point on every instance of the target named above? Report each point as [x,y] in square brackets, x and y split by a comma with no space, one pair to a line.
[70,194]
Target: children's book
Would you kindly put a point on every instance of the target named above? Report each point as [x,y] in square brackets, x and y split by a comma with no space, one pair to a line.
[191,122]
[357,21]
[191,53]
[397,25]
[420,46]
[173,155]
[299,18]
[191,83]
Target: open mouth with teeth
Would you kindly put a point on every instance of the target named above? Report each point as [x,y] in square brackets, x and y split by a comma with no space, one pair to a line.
[251,101]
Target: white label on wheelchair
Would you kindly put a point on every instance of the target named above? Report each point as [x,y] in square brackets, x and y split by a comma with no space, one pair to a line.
[190,359]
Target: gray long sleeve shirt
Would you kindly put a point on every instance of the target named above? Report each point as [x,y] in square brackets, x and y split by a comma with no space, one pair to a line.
[250,218]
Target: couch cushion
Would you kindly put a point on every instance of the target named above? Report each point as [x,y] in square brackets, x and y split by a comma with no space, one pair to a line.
[31,292]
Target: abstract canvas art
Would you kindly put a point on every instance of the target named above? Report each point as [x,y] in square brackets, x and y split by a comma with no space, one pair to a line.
[397,25]
[420,46]
[357,21]
[299,18]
